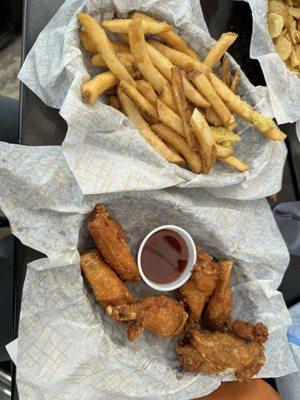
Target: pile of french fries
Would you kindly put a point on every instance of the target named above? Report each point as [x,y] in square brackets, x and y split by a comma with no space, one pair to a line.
[174,99]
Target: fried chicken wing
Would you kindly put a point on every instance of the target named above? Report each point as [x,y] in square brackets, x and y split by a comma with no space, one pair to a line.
[161,315]
[107,287]
[248,331]
[220,353]
[110,241]
[218,313]
[196,291]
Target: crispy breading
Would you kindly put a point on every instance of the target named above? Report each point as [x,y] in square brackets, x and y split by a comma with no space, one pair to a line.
[107,287]
[110,241]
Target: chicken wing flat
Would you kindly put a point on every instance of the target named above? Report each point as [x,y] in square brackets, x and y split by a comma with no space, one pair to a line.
[161,315]
[110,241]
[218,313]
[196,291]
[107,287]
[248,331]
[220,353]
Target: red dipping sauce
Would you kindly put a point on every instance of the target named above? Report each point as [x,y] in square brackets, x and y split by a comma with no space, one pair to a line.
[164,256]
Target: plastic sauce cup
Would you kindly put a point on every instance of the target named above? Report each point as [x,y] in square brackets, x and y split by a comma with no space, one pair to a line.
[192,257]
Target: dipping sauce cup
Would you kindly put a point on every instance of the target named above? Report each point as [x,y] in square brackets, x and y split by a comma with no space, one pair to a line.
[166,257]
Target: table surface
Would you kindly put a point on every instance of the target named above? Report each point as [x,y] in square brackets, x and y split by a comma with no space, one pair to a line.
[42,125]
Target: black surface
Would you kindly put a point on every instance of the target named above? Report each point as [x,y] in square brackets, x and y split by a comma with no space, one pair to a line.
[40,125]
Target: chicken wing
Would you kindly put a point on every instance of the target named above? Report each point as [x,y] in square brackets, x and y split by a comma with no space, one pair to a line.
[107,287]
[159,314]
[220,353]
[196,291]
[110,240]
[218,313]
[246,330]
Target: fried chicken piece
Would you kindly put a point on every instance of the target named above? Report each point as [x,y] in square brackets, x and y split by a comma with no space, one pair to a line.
[218,312]
[220,353]
[248,331]
[110,241]
[159,314]
[196,291]
[107,286]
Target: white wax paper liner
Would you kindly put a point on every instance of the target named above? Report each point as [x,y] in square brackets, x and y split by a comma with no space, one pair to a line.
[283,85]
[103,149]
[68,348]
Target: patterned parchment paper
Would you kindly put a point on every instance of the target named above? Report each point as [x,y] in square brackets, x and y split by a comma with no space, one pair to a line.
[103,150]
[68,349]
[283,85]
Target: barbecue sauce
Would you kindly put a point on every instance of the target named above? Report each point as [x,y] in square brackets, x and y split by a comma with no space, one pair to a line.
[164,256]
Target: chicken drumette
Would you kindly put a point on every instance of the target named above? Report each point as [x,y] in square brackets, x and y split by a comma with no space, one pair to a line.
[110,241]
[220,353]
[161,315]
[196,291]
[218,312]
[107,286]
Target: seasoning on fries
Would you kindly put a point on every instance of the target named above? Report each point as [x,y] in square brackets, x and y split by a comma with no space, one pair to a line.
[176,101]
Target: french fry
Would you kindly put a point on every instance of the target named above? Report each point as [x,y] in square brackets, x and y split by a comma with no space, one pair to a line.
[267,126]
[212,117]
[182,106]
[222,135]
[97,61]
[207,144]
[223,151]
[169,136]
[90,45]
[263,124]
[129,63]
[132,113]
[104,47]
[169,118]
[204,86]
[146,108]
[234,102]
[225,71]
[170,37]
[87,43]
[93,88]
[126,59]
[235,81]
[122,25]
[216,52]
[178,58]
[164,65]
[167,97]
[139,51]
[146,89]
[235,163]
[114,102]
[120,47]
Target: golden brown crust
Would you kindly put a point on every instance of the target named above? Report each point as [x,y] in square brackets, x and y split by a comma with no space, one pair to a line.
[218,313]
[196,291]
[110,241]
[246,330]
[220,353]
[161,315]
[107,287]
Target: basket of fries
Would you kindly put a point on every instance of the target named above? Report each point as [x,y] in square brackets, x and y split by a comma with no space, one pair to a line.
[195,119]
[275,44]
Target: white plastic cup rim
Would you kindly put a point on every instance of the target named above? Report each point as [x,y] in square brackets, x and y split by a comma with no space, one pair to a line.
[191,259]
